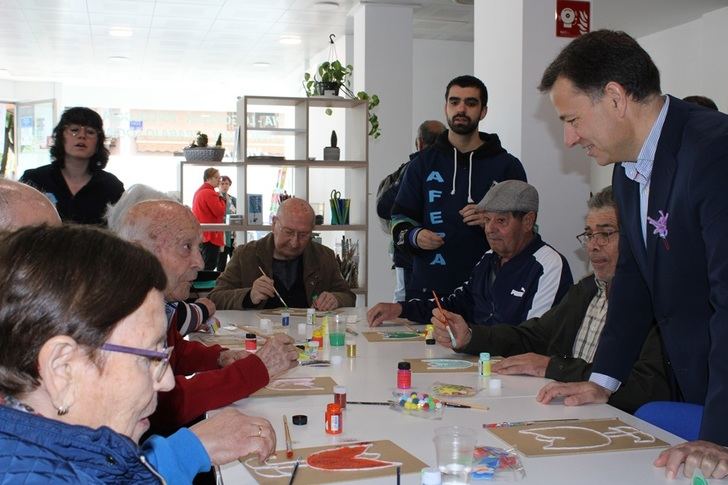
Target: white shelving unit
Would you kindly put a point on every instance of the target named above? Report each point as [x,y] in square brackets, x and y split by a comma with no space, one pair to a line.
[278,133]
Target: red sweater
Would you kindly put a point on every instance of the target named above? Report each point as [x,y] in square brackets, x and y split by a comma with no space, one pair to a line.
[210,388]
[209,207]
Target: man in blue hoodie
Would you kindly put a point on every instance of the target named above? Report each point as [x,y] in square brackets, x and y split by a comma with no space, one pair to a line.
[434,216]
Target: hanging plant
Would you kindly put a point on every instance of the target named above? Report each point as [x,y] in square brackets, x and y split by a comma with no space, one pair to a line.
[333,78]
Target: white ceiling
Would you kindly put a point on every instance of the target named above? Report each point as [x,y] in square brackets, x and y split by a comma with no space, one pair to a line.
[195,40]
[184,39]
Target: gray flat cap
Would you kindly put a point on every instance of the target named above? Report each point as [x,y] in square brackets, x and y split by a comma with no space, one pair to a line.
[510,196]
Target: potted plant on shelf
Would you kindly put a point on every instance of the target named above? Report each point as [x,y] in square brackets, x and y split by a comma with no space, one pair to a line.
[199,151]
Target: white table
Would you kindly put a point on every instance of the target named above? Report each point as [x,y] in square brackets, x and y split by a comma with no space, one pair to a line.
[371,376]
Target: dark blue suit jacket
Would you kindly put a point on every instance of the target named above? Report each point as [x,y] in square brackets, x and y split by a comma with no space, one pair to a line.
[681,281]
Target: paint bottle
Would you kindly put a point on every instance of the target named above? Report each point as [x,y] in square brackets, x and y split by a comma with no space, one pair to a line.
[285,319]
[333,419]
[318,336]
[431,476]
[313,348]
[484,364]
[251,342]
[310,316]
[430,334]
[340,396]
[404,375]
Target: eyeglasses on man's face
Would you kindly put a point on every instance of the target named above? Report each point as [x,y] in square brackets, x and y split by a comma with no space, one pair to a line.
[600,238]
[160,360]
[75,130]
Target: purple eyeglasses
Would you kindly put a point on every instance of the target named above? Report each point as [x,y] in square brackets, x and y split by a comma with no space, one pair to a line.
[159,359]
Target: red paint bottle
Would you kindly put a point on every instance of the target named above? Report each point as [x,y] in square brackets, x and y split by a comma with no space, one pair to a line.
[404,375]
[251,341]
[333,419]
[340,396]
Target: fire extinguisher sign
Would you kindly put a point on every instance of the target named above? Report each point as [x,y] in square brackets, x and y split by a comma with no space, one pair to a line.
[573,18]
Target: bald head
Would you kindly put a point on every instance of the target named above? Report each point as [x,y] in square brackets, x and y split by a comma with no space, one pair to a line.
[292,228]
[427,133]
[296,208]
[171,232]
[22,205]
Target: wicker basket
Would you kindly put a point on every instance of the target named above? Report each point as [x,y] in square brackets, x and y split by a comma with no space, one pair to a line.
[213,154]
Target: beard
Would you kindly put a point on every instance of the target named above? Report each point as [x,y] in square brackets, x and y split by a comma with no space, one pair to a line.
[462,129]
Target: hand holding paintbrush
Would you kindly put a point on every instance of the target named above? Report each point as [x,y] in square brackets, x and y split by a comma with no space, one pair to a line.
[264,288]
[451,330]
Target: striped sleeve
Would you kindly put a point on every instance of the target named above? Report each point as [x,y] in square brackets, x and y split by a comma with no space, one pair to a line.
[190,316]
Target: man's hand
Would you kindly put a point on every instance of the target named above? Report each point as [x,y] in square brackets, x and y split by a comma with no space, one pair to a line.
[227,357]
[326,302]
[574,393]
[383,311]
[428,240]
[472,216]
[207,303]
[710,458]
[530,364]
[458,325]
[262,289]
[230,434]
[278,354]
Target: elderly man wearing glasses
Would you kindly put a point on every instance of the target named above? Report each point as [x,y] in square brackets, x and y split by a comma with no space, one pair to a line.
[560,344]
[285,268]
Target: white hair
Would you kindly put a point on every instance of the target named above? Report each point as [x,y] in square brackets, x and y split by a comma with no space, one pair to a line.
[133,195]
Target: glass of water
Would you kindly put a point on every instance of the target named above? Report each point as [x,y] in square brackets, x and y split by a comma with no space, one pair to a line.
[454,446]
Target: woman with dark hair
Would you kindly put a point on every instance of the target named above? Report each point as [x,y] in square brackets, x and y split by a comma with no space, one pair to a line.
[80,366]
[75,180]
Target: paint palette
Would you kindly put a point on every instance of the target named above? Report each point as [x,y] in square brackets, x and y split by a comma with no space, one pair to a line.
[417,404]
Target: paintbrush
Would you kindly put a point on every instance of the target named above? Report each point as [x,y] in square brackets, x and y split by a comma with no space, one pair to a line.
[453,342]
[289,445]
[274,289]
[295,469]
[510,424]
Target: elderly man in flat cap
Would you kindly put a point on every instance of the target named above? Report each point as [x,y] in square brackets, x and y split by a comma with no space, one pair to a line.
[520,277]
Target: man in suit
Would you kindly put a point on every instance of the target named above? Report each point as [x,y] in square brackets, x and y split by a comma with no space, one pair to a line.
[669,183]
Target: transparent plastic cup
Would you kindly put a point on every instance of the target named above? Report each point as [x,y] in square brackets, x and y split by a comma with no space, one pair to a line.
[337,332]
[454,446]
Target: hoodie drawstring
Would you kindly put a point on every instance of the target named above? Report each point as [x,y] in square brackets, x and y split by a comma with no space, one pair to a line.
[470,179]
[455,174]
[454,169]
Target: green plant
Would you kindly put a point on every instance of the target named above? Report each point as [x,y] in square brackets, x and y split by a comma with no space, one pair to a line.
[200,141]
[336,73]
[334,139]
[218,143]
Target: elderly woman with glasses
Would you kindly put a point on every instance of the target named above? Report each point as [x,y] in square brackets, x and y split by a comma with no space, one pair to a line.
[75,180]
[82,357]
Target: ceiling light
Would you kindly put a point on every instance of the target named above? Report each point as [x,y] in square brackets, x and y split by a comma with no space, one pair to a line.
[120,32]
[326,5]
[118,59]
[261,64]
[290,40]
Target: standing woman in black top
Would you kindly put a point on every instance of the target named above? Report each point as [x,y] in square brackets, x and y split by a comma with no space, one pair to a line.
[75,180]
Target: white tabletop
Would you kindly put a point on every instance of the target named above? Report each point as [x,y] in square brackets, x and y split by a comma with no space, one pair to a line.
[371,376]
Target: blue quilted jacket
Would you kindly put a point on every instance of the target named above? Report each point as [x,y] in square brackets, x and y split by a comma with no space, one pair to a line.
[37,450]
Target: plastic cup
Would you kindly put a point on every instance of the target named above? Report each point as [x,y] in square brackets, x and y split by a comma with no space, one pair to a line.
[454,447]
[337,333]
